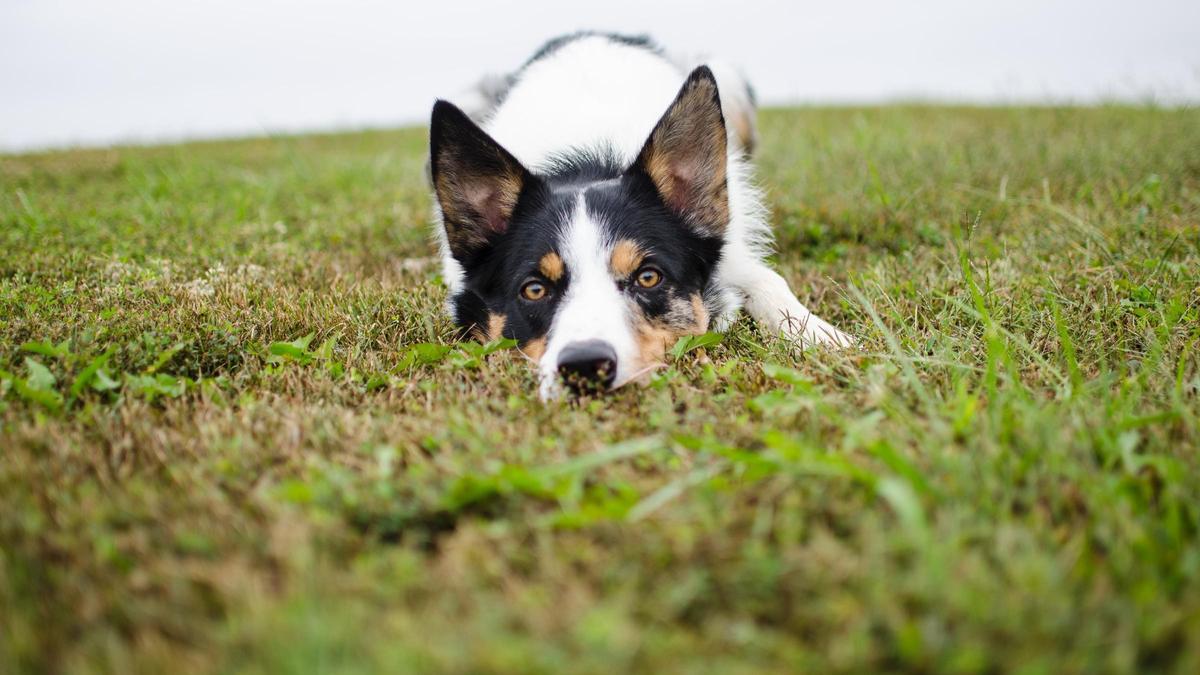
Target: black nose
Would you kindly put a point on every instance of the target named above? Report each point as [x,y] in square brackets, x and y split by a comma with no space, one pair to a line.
[587,365]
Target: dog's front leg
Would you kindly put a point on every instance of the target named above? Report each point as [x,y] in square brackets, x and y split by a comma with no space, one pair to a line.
[770,301]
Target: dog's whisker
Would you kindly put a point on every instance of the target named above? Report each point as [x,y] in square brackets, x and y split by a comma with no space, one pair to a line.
[636,374]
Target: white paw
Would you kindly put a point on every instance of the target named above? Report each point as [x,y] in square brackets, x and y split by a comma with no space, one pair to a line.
[811,330]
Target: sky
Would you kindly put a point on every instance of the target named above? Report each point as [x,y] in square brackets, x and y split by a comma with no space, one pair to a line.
[84,72]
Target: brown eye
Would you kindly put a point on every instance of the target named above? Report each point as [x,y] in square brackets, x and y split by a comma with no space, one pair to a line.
[648,277]
[533,291]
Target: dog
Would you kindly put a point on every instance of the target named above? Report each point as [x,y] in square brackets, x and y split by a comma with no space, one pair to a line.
[597,204]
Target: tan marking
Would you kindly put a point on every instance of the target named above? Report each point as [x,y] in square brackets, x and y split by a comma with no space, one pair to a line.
[700,313]
[551,266]
[652,340]
[535,348]
[686,317]
[495,327]
[626,258]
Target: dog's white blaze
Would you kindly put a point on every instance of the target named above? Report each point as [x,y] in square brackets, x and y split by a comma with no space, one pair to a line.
[593,307]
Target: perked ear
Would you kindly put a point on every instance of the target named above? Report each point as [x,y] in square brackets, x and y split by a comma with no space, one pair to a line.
[685,156]
[477,181]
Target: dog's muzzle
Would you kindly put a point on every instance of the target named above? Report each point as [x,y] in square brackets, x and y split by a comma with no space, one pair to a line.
[589,365]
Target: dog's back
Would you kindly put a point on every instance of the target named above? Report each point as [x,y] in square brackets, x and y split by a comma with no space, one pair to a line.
[593,91]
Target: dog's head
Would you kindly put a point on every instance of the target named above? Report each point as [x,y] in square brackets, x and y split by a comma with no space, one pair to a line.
[594,269]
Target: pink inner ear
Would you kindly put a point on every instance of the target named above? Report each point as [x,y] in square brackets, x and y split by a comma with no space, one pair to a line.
[488,203]
[684,175]
[686,169]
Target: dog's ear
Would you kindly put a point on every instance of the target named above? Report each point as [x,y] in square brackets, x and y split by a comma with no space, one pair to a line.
[476,180]
[685,156]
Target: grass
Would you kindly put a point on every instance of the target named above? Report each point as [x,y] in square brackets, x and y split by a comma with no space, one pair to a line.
[235,438]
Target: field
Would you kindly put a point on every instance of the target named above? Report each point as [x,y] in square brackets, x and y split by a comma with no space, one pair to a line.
[233,439]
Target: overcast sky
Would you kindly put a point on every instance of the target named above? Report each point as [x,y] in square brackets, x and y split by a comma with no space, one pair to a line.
[95,72]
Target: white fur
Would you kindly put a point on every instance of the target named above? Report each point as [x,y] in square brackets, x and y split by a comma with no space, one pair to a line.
[597,93]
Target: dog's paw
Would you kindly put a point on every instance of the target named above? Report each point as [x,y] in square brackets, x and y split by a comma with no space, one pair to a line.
[812,331]
[833,338]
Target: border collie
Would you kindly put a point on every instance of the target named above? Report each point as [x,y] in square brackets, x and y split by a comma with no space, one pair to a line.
[597,204]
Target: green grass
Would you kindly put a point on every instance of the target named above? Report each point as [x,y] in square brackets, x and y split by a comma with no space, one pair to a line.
[227,444]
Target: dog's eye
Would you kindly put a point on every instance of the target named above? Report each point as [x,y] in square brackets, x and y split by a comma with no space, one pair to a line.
[533,291]
[649,277]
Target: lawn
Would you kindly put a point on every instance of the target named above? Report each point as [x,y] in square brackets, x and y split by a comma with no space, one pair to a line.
[235,435]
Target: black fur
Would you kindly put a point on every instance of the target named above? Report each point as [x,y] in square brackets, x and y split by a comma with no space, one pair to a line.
[583,166]
[554,44]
